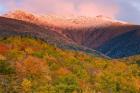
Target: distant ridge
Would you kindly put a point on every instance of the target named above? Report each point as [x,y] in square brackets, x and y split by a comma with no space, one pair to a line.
[63,21]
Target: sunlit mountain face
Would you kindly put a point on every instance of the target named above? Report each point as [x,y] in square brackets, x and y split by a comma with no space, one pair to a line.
[107,36]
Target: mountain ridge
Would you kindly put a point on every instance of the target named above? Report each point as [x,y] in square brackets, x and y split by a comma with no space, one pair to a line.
[90,33]
[12,27]
[64,21]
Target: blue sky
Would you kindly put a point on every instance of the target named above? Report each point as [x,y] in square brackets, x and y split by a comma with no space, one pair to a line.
[2,9]
[125,10]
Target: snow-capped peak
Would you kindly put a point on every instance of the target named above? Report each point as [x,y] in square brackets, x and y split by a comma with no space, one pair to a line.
[63,21]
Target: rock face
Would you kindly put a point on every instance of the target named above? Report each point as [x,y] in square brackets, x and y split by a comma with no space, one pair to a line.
[111,37]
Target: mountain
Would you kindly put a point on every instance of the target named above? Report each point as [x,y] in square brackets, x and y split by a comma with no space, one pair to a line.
[56,54]
[127,44]
[62,21]
[13,27]
[106,35]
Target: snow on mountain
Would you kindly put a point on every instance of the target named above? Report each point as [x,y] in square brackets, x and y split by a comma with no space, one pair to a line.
[63,21]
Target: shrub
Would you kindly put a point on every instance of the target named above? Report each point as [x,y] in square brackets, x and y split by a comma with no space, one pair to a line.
[66,84]
[6,68]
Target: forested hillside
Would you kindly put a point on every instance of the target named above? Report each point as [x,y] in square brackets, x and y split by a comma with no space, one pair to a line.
[29,65]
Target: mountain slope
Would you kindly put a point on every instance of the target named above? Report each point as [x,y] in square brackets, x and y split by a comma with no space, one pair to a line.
[28,65]
[13,27]
[62,21]
[127,44]
[93,33]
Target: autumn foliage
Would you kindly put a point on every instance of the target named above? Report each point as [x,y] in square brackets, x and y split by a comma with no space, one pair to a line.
[32,66]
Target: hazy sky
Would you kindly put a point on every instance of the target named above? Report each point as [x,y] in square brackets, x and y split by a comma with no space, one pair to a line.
[126,10]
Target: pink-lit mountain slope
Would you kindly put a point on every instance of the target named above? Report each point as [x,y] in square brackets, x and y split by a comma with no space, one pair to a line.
[111,37]
[13,27]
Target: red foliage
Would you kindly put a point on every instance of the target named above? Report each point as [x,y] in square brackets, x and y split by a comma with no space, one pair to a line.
[63,71]
[3,49]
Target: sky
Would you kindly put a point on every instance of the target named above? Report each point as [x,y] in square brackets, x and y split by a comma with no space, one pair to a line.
[125,10]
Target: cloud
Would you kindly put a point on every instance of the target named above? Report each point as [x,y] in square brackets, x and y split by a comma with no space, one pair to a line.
[129,11]
[125,10]
[95,9]
[64,7]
